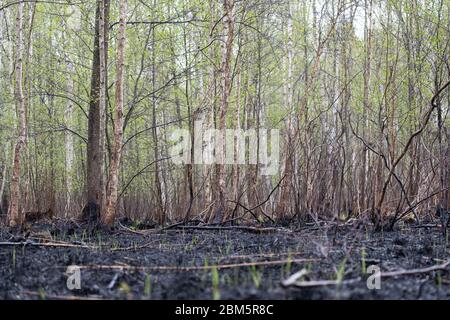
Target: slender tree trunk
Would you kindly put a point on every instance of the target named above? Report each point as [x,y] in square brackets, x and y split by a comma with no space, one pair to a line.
[156,152]
[209,170]
[228,21]
[286,185]
[4,178]
[69,139]
[367,69]
[103,24]
[29,194]
[189,166]
[444,166]
[237,126]
[15,216]
[68,119]
[109,212]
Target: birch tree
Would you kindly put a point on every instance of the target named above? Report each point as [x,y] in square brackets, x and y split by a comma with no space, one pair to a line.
[226,74]
[15,216]
[109,210]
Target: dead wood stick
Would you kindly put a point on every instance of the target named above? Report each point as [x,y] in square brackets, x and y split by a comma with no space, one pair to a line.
[263,255]
[319,283]
[113,281]
[59,297]
[220,266]
[46,244]
[244,228]
[146,245]
[437,267]
[427,225]
[293,278]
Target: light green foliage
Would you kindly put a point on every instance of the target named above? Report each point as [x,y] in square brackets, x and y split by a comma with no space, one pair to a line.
[171,53]
[147,286]
[215,283]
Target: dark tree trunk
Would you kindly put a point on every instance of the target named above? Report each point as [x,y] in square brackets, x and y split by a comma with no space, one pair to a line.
[95,149]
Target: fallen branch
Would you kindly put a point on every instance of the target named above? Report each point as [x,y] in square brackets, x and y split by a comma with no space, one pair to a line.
[46,244]
[59,297]
[293,278]
[146,245]
[71,245]
[291,281]
[244,228]
[427,225]
[220,266]
[262,255]
[320,283]
[113,281]
[437,267]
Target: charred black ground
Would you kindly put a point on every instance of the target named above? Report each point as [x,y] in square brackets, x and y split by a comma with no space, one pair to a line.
[230,264]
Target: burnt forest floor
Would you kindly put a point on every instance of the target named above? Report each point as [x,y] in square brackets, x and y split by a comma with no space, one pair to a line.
[228,264]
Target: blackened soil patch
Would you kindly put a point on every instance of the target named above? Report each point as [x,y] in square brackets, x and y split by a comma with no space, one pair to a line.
[230,264]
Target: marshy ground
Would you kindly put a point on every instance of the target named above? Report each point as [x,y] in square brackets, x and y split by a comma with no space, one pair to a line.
[129,263]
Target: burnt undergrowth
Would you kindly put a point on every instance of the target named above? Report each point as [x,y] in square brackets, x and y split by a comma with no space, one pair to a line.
[137,260]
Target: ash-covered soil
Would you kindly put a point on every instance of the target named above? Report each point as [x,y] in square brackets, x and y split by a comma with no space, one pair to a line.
[226,264]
